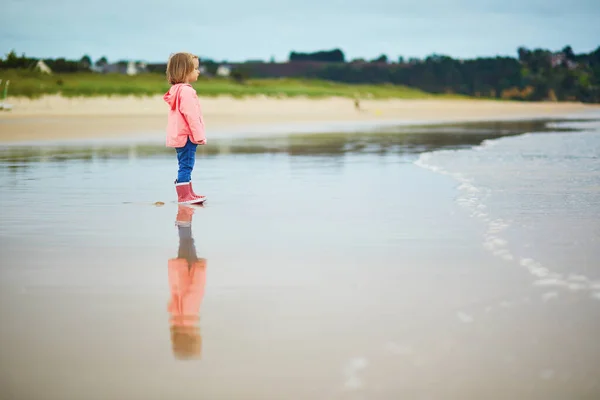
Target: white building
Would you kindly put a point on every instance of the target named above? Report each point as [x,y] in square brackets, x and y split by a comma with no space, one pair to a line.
[42,67]
[224,70]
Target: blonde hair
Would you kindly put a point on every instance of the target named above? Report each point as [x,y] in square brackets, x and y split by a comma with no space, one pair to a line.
[179,66]
[186,342]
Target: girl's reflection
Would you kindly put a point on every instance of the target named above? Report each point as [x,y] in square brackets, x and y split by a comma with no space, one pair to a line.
[187,279]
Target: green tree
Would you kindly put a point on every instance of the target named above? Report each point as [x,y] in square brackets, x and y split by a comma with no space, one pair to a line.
[101,62]
[381,59]
[86,61]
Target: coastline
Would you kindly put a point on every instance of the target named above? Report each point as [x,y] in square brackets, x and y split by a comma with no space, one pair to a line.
[53,118]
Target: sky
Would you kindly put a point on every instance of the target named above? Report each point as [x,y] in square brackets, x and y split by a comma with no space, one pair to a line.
[238,30]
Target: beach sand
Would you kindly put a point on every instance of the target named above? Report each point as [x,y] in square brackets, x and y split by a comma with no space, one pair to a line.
[56,118]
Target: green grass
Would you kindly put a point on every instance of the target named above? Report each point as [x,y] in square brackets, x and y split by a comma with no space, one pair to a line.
[33,84]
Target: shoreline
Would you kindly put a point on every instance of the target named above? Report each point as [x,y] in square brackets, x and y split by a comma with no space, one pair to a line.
[55,118]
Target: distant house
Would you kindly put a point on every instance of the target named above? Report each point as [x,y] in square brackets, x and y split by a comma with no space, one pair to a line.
[131,69]
[122,67]
[558,59]
[224,70]
[136,67]
[42,67]
[283,69]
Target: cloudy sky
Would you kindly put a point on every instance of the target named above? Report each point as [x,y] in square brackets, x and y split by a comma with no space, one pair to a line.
[236,30]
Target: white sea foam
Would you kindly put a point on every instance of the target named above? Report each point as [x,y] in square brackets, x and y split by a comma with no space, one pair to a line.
[351,372]
[464,317]
[494,165]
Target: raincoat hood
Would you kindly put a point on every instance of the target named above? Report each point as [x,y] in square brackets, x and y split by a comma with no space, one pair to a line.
[172,97]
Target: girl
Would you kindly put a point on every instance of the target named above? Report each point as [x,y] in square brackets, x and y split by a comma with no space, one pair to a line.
[185,127]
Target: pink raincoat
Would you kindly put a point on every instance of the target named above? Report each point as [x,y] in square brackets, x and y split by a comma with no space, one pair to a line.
[187,290]
[185,116]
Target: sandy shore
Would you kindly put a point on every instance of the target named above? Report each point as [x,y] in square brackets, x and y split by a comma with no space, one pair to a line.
[56,118]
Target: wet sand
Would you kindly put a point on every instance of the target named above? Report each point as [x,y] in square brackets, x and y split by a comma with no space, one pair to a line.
[327,267]
[55,117]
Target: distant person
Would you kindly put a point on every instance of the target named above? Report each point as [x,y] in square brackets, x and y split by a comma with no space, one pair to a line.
[357,104]
[185,127]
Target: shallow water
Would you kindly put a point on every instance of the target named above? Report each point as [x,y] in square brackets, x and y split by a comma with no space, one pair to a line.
[539,196]
[335,267]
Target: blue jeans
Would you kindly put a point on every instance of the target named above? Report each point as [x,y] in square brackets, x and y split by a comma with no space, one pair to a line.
[187,249]
[186,157]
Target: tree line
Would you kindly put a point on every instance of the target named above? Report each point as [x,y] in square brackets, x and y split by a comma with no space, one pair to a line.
[534,74]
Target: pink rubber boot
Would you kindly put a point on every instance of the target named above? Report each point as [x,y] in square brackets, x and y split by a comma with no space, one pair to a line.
[184,215]
[197,195]
[184,194]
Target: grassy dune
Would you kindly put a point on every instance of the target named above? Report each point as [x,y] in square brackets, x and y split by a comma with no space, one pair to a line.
[32,84]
